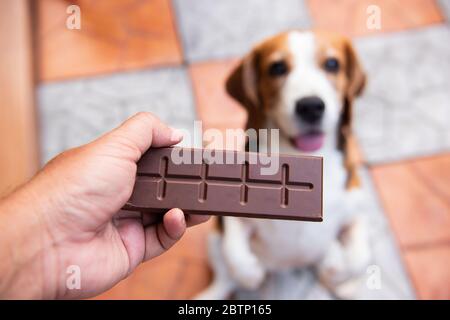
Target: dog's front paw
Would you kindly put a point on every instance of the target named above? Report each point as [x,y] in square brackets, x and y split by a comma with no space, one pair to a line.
[339,279]
[332,269]
[249,273]
[343,267]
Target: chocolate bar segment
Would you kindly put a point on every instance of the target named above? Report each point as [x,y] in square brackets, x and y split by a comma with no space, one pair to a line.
[219,182]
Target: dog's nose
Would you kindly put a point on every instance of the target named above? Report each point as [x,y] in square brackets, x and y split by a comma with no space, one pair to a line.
[310,109]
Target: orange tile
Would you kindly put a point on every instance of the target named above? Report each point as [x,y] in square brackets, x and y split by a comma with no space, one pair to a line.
[435,172]
[415,198]
[115,36]
[152,280]
[214,107]
[430,272]
[350,16]
[193,278]
[179,273]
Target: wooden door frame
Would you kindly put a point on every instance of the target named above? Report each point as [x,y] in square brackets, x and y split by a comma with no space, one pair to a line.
[19,158]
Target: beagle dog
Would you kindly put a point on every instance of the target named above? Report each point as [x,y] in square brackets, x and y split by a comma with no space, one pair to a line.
[302,83]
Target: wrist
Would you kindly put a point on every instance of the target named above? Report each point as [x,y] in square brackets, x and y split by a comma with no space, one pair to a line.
[24,243]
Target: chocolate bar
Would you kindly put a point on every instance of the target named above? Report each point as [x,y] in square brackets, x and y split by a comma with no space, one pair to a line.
[220,182]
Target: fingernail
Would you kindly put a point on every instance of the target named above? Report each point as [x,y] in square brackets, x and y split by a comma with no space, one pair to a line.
[181,217]
[176,135]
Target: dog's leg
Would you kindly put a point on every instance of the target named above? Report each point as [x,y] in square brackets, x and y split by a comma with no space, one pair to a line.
[222,284]
[244,266]
[345,263]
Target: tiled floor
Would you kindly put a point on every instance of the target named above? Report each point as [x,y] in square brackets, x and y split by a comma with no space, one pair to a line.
[416,196]
[97,105]
[187,48]
[445,7]
[407,88]
[385,255]
[179,274]
[428,268]
[223,29]
[350,16]
[114,36]
[214,106]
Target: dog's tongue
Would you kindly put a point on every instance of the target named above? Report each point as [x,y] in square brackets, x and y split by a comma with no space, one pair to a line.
[309,142]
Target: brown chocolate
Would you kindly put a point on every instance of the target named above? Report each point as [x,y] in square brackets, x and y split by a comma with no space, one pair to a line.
[239,187]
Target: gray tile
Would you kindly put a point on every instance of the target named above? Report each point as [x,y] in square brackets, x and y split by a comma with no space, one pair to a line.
[223,28]
[282,285]
[406,108]
[394,281]
[445,6]
[395,284]
[75,112]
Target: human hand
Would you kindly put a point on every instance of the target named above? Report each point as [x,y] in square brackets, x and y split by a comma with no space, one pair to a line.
[69,215]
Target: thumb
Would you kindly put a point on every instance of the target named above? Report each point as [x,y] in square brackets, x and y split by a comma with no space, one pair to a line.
[142,131]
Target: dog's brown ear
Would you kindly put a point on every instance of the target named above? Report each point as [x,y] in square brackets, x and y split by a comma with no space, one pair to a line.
[355,73]
[356,81]
[242,85]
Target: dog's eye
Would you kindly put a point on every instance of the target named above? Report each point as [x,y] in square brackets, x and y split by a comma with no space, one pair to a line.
[278,68]
[331,65]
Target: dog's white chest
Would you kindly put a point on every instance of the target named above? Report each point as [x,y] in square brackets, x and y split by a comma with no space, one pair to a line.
[291,243]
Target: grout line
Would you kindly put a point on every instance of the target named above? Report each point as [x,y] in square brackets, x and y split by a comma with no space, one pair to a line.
[408,160]
[389,33]
[426,245]
[174,18]
[417,172]
[395,235]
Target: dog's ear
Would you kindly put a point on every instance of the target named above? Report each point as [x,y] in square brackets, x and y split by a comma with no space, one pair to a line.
[356,76]
[356,81]
[242,85]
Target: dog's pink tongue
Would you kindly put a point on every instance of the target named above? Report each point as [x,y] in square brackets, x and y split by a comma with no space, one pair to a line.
[309,142]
